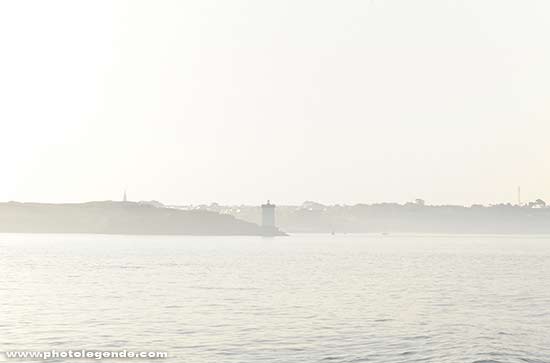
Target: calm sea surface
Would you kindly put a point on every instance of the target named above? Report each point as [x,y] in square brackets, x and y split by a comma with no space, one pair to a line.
[304,298]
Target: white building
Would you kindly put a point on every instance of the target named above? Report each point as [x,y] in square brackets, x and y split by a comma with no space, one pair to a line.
[268,215]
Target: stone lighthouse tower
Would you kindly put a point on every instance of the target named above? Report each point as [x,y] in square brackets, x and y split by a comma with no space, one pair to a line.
[268,217]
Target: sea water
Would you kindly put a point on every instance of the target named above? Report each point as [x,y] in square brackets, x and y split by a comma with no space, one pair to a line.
[302,298]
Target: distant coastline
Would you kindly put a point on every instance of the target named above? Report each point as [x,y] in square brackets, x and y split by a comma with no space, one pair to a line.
[154,218]
[413,217]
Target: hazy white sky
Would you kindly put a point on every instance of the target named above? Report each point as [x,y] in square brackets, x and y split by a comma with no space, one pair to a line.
[240,101]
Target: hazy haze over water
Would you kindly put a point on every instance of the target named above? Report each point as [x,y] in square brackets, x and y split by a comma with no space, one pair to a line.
[291,100]
[305,298]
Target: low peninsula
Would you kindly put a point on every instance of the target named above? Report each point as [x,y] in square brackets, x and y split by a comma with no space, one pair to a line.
[120,218]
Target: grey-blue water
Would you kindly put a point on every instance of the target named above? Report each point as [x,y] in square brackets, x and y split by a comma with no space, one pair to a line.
[305,298]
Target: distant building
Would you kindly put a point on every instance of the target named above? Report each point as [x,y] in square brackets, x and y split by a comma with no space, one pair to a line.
[268,216]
